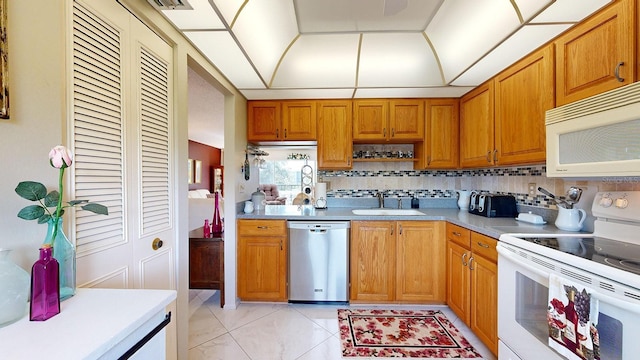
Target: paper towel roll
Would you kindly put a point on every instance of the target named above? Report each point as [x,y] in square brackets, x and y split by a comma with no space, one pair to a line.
[320,195]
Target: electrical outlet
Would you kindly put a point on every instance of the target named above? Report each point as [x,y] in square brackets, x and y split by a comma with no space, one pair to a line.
[532,189]
[241,188]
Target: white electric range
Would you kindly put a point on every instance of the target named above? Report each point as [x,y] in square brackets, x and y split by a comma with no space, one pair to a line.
[607,262]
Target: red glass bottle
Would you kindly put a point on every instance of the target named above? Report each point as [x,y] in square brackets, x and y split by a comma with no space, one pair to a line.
[571,330]
[206,229]
[216,225]
[45,286]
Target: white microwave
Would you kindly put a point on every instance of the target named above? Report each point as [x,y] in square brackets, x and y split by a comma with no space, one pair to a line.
[596,137]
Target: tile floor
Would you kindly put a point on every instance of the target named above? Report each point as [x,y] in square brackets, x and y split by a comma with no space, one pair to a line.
[275,331]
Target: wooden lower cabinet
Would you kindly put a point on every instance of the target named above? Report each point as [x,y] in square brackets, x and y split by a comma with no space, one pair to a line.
[397,261]
[262,260]
[472,282]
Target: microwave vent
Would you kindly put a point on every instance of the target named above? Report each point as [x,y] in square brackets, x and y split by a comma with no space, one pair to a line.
[611,99]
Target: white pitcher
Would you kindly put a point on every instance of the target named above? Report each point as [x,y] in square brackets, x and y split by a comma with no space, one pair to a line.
[463,198]
[570,219]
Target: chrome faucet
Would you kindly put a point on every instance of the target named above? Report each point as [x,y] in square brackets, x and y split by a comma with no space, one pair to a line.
[399,203]
[380,199]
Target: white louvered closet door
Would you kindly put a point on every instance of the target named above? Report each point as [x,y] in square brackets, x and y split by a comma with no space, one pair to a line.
[121,107]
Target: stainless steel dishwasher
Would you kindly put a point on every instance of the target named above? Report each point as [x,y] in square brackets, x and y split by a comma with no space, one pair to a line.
[318,261]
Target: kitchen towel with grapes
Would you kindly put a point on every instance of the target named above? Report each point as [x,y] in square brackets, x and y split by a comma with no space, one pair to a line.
[572,316]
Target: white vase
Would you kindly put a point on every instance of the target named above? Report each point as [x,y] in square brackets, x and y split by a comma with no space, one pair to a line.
[14,289]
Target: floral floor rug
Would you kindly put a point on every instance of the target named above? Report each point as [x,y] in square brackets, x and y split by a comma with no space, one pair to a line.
[401,333]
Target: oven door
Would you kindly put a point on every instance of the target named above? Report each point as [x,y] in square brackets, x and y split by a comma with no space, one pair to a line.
[523,291]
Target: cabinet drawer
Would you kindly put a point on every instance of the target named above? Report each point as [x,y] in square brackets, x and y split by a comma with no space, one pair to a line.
[459,235]
[485,246]
[262,227]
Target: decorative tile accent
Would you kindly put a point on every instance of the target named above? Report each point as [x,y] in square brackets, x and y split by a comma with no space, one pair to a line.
[534,170]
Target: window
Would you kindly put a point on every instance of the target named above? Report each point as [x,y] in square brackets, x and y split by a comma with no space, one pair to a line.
[286,173]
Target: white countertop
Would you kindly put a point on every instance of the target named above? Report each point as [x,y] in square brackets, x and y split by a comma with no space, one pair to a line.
[89,324]
[492,227]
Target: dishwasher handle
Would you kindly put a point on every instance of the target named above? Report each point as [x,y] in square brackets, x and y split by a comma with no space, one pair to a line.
[318,231]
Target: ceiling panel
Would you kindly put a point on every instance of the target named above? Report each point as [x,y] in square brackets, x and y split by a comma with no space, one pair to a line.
[265,28]
[566,10]
[201,17]
[228,8]
[464,31]
[397,60]
[527,39]
[219,47]
[321,61]
[428,92]
[364,15]
[529,8]
[281,94]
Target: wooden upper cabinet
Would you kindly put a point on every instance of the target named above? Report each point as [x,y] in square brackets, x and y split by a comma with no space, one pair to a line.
[370,120]
[440,149]
[299,120]
[523,93]
[476,127]
[263,120]
[377,120]
[406,120]
[588,55]
[335,124]
[289,120]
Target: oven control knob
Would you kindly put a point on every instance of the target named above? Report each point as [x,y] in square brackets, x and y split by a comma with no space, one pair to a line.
[622,203]
[606,202]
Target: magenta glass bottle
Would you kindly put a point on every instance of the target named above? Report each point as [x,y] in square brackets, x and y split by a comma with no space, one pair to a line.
[206,229]
[45,287]
[216,225]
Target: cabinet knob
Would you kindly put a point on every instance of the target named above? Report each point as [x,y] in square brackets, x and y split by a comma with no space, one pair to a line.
[156,244]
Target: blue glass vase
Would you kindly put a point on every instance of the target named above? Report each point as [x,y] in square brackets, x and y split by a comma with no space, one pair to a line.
[65,253]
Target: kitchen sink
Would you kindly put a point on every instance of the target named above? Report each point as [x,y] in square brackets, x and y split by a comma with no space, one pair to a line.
[386,212]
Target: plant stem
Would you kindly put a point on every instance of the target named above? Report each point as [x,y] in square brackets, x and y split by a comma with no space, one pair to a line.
[59,206]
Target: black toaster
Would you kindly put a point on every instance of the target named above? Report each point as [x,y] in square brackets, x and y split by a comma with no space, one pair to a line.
[493,205]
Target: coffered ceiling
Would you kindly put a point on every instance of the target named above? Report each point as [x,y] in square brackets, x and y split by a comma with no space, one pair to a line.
[277,49]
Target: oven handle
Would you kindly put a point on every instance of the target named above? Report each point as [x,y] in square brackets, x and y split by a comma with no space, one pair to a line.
[625,305]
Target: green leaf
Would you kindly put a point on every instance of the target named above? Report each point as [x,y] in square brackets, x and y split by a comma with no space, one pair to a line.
[52,199]
[96,208]
[76,202]
[31,190]
[31,212]
[44,219]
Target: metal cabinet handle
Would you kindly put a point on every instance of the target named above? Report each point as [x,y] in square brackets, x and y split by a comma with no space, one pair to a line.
[277,133]
[495,156]
[400,229]
[280,244]
[392,229]
[489,156]
[349,162]
[384,132]
[285,133]
[428,160]
[263,227]
[617,72]
[470,261]
[393,132]
[456,233]
[483,245]
[464,263]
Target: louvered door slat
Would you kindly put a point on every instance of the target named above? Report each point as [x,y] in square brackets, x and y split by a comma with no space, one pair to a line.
[98,129]
[154,130]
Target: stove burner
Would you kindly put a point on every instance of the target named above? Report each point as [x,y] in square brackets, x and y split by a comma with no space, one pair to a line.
[629,264]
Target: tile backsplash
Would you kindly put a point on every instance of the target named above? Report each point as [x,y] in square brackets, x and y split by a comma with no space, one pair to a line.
[399,179]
